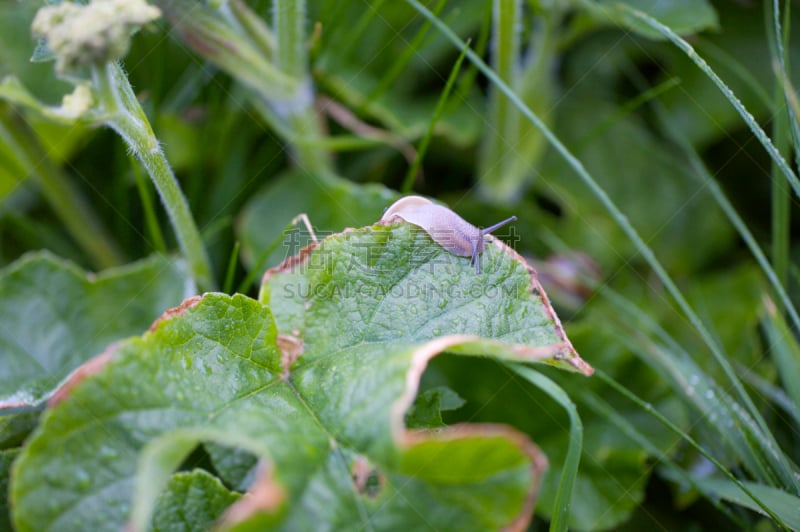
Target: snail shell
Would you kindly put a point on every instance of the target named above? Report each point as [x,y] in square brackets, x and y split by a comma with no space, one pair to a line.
[444,226]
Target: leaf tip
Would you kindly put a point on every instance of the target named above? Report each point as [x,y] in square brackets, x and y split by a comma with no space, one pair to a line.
[174,312]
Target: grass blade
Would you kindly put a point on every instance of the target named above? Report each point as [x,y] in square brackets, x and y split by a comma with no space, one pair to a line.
[647,407]
[500,140]
[150,216]
[784,350]
[782,504]
[781,195]
[569,469]
[739,433]
[231,268]
[602,408]
[408,182]
[702,173]
[402,62]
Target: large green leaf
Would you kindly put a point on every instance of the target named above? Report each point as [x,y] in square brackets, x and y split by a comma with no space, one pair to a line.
[53,317]
[390,283]
[316,388]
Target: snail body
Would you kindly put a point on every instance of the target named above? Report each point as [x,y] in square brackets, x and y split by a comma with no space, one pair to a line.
[445,227]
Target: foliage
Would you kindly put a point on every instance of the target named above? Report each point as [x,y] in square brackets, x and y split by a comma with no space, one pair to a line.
[357,374]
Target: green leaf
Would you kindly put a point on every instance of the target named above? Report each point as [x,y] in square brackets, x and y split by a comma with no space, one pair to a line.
[426,412]
[613,472]
[234,466]
[331,203]
[192,501]
[782,345]
[42,53]
[54,317]
[318,395]
[393,283]
[563,499]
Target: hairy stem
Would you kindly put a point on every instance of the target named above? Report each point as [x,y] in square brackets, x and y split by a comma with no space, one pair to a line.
[127,118]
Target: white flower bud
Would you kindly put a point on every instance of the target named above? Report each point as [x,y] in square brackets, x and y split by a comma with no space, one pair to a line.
[74,104]
[99,32]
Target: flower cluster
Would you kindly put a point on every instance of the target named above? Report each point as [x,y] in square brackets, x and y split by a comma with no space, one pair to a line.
[99,32]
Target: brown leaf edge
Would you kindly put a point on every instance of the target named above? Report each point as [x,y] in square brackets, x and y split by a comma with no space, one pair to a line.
[96,363]
[88,367]
[62,391]
[82,372]
[173,312]
[567,352]
[263,496]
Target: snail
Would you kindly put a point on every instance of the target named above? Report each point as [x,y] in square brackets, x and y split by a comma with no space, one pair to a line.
[445,227]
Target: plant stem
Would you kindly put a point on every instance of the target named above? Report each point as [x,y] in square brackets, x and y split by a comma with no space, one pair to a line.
[411,175]
[298,111]
[126,117]
[149,209]
[290,16]
[271,63]
[501,141]
[781,194]
[68,203]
